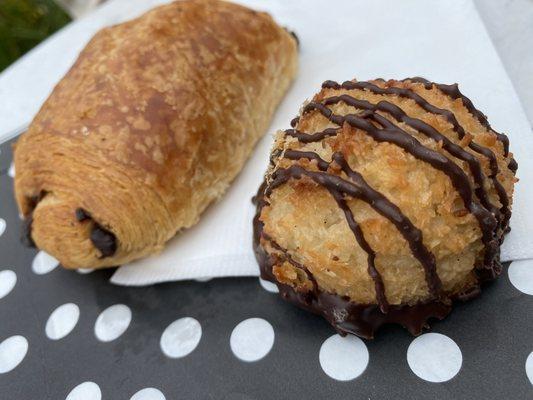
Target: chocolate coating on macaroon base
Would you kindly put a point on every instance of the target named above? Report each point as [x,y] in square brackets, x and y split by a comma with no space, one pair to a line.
[344,315]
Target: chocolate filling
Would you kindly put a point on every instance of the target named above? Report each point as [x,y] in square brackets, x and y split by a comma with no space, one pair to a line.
[363,319]
[104,240]
[25,236]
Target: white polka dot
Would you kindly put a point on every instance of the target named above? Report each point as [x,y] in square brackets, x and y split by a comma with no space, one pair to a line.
[529,367]
[11,170]
[181,337]
[2,226]
[8,279]
[43,263]
[85,270]
[204,279]
[85,391]
[148,394]
[62,321]
[434,357]
[269,286]
[12,352]
[521,275]
[252,339]
[343,358]
[112,322]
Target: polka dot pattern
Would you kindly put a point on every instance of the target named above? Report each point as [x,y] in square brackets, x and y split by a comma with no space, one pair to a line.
[62,321]
[112,322]
[529,367]
[252,339]
[12,352]
[8,280]
[181,337]
[343,358]
[521,275]
[434,357]
[85,391]
[55,330]
[148,394]
[84,271]
[268,286]
[43,263]
[11,170]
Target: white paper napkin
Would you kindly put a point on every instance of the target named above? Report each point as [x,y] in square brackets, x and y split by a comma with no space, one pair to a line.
[443,41]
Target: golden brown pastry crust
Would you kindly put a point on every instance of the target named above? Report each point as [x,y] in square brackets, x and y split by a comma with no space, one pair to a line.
[303,235]
[151,124]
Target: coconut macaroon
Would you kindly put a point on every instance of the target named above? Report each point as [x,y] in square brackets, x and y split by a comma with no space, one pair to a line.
[386,201]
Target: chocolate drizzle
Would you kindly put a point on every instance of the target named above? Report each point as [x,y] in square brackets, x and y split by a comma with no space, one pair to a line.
[450,117]
[295,121]
[371,254]
[312,137]
[361,319]
[454,92]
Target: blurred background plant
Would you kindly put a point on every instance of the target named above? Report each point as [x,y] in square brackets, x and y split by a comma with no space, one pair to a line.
[25,23]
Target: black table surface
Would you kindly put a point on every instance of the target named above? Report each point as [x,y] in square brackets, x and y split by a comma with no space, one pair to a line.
[493,332]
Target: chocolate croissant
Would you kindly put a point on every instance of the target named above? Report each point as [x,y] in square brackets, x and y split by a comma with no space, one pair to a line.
[384,203]
[151,124]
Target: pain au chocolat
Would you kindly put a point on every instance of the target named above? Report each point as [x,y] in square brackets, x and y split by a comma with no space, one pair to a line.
[152,123]
[385,202]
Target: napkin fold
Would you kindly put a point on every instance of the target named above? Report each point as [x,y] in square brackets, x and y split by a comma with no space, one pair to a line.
[339,40]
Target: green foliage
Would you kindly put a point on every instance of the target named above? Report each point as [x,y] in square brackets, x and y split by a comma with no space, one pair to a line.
[24,24]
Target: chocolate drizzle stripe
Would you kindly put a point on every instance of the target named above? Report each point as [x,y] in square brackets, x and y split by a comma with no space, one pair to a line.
[314,137]
[297,155]
[371,254]
[450,117]
[295,121]
[513,165]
